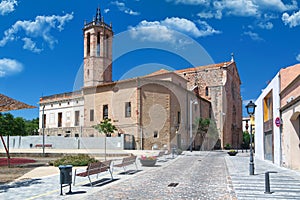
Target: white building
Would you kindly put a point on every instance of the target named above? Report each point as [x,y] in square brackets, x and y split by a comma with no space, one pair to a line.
[62,114]
[267,135]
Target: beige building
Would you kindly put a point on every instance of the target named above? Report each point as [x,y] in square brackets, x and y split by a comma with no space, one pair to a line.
[220,84]
[159,109]
[290,115]
[277,119]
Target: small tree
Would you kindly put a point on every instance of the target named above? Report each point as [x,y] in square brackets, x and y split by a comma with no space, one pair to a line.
[203,125]
[107,128]
[246,140]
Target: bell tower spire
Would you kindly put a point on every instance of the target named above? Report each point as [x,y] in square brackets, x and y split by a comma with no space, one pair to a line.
[97,51]
[98,15]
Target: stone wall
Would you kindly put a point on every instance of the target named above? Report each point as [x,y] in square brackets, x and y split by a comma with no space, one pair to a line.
[220,84]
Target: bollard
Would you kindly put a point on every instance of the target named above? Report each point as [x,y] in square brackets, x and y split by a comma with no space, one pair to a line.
[267,182]
[173,151]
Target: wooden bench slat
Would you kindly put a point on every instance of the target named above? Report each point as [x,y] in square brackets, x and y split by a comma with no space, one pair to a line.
[127,161]
[95,168]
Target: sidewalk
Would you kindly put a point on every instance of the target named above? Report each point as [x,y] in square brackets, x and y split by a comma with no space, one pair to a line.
[44,182]
[201,175]
[285,184]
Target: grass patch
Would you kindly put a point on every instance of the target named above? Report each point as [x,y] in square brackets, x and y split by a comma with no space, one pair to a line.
[75,160]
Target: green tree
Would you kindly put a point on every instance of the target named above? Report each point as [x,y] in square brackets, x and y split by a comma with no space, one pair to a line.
[32,126]
[203,125]
[107,128]
[18,127]
[246,140]
[7,124]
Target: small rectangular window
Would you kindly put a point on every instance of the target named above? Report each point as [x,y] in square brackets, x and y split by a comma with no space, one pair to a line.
[76,118]
[178,117]
[92,115]
[105,111]
[128,109]
[59,120]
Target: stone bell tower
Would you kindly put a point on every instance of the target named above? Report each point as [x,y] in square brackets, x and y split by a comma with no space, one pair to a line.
[97,51]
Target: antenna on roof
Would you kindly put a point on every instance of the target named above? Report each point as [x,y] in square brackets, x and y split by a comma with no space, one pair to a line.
[232,57]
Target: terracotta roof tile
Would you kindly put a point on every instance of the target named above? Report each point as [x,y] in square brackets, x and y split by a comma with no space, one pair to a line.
[193,69]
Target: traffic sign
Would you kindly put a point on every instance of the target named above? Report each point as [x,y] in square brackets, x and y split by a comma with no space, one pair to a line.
[277,121]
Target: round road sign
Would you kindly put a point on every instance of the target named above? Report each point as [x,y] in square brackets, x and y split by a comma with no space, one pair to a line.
[277,121]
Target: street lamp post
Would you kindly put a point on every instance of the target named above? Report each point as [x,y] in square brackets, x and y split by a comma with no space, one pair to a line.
[251,110]
[191,122]
[43,128]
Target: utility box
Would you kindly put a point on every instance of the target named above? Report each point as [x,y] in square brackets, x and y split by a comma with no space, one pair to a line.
[65,176]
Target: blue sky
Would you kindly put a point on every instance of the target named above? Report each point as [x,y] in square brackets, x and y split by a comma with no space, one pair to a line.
[41,42]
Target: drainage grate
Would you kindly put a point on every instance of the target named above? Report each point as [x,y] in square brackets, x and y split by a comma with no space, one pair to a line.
[173,184]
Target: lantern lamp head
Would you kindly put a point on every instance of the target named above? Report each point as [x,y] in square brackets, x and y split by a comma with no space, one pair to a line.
[250,108]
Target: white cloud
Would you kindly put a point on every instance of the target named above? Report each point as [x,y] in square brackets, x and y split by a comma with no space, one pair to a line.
[253,36]
[189,27]
[206,15]
[7,6]
[191,2]
[265,25]
[148,31]
[291,20]
[9,66]
[167,29]
[106,10]
[298,57]
[39,28]
[237,7]
[30,45]
[276,5]
[131,12]
[246,8]
[123,8]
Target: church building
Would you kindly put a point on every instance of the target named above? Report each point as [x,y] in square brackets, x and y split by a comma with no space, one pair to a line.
[159,109]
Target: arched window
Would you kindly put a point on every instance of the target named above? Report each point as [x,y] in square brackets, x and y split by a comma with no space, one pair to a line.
[106,46]
[88,44]
[98,44]
[206,91]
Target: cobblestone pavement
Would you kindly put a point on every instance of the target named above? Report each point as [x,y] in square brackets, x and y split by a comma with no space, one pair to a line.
[200,175]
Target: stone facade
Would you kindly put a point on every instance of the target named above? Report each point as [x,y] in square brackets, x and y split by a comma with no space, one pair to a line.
[158,106]
[159,109]
[220,84]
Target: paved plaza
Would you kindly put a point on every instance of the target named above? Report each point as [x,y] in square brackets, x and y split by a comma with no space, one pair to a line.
[193,175]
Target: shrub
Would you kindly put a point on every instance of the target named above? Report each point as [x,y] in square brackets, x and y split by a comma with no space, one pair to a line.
[75,160]
[227,146]
[179,151]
